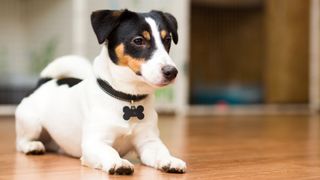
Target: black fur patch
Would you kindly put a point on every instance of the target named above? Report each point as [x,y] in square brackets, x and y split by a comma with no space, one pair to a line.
[42,81]
[134,26]
[167,22]
[68,81]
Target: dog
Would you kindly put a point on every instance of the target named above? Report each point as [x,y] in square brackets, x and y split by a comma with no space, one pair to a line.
[99,112]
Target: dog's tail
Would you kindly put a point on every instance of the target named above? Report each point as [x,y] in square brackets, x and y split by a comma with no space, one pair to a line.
[71,66]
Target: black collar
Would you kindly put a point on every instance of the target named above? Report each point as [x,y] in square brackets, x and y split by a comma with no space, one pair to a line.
[107,88]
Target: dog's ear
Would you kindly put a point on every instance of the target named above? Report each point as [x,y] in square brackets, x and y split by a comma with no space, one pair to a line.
[172,24]
[105,21]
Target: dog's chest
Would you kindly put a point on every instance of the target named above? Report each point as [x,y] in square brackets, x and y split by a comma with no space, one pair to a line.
[123,143]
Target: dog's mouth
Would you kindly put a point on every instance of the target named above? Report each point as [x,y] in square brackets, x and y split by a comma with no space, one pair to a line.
[166,82]
[160,84]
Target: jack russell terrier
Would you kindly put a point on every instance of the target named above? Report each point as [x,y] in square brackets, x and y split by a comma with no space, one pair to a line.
[100,112]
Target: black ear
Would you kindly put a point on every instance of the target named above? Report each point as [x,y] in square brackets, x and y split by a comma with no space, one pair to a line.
[171,23]
[105,21]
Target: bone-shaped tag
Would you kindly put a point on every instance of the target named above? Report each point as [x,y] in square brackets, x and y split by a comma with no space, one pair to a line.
[133,112]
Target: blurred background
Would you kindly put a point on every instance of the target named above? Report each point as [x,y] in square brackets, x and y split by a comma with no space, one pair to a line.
[234,56]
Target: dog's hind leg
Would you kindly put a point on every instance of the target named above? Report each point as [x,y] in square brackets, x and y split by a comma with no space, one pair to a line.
[28,129]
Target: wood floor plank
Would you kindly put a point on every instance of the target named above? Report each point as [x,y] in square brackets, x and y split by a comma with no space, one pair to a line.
[238,147]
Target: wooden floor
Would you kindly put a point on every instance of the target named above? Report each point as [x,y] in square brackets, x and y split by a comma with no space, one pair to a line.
[239,147]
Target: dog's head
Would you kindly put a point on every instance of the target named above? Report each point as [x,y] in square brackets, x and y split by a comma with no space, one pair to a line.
[139,41]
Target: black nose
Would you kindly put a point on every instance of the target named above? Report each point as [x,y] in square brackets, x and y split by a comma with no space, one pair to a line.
[169,72]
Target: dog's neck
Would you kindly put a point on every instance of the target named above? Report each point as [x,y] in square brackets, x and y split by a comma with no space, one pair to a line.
[121,78]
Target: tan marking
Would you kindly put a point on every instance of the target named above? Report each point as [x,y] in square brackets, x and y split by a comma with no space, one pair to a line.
[120,53]
[135,65]
[146,35]
[163,34]
[126,60]
[117,13]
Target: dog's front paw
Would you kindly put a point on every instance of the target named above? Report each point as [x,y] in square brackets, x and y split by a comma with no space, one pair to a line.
[34,148]
[122,167]
[172,165]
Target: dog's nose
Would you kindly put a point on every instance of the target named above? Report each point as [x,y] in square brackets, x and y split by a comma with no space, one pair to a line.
[169,72]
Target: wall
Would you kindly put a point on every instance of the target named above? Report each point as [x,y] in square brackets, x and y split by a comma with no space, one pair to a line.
[227,50]
[287,51]
[11,37]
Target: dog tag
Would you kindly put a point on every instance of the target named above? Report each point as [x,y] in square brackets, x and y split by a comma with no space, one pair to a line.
[133,111]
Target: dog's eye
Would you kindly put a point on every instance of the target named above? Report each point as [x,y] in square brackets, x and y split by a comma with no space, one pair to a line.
[139,41]
[167,43]
[168,39]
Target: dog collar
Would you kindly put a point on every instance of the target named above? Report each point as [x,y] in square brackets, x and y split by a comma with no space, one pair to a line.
[107,88]
[131,111]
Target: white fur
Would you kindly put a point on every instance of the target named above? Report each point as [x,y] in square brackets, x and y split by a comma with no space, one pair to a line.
[85,122]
